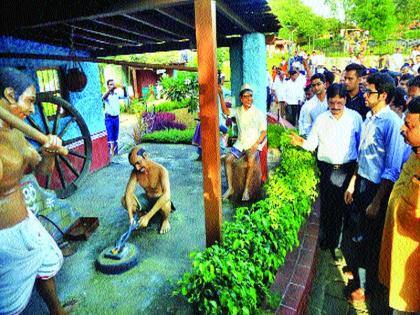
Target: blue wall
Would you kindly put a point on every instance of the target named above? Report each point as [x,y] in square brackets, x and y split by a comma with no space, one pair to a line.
[87,102]
[255,68]
[235,56]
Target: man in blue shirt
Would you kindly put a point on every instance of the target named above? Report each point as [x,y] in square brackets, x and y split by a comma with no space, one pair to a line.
[352,80]
[379,164]
[112,116]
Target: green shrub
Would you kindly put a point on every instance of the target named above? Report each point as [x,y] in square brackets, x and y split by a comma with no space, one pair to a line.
[169,136]
[234,277]
[169,106]
[182,87]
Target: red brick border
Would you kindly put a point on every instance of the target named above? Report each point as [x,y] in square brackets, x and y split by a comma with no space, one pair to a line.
[294,279]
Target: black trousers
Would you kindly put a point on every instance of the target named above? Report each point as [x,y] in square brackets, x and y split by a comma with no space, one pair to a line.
[333,182]
[364,235]
[292,113]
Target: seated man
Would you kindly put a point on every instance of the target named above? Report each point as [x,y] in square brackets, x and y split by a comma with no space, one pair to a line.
[252,129]
[154,179]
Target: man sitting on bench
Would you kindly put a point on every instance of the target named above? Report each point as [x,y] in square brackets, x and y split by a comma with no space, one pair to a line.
[252,130]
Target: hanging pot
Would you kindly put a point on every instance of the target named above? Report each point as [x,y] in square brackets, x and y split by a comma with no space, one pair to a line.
[76,79]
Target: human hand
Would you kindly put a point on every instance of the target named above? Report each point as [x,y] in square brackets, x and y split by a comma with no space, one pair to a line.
[52,145]
[144,221]
[348,194]
[295,139]
[373,209]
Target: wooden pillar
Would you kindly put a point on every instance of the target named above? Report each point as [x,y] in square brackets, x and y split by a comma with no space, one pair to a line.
[205,26]
[134,77]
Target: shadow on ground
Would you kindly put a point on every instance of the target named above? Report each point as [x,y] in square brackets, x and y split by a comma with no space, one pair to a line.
[327,296]
[147,288]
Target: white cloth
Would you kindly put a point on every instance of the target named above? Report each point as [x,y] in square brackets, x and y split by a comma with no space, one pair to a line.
[279,88]
[112,104]
[295,91]
[27,252]
[309,112]
[250,123]
[337,139]
[396,62]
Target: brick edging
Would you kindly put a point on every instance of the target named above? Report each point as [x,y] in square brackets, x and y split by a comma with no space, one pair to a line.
[294,279]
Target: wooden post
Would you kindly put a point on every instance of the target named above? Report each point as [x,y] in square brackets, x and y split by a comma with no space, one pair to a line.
[205,27]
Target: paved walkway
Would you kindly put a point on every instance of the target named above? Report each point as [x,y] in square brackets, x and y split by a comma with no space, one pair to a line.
[327,291]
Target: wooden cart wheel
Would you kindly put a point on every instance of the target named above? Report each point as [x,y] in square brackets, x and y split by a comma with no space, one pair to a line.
[54,115]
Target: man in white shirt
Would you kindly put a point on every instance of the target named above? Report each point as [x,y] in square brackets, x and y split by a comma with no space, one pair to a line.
[396,61]
[112,116]
[336,134]
[315,106]
[279,87]
[294,96]
[252,130]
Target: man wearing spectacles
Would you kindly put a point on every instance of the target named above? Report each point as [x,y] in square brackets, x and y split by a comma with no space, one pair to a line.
[252,130]
[315,106]
[381,155]
[336,134]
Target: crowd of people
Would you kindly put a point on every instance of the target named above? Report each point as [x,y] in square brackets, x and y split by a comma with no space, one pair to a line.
[364,125]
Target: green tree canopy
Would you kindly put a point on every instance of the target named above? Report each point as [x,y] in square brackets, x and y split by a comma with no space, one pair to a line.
[299,21]
[377,16]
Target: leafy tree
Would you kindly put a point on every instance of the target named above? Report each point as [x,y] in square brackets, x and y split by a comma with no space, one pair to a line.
[299,21]
[407,11]
[377,16]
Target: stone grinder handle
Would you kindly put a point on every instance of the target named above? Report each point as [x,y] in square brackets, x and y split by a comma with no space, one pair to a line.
[27,130]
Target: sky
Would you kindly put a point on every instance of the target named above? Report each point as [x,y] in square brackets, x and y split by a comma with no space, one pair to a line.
[319,8]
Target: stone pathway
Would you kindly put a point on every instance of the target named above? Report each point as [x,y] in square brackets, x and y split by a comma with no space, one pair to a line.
[327,297]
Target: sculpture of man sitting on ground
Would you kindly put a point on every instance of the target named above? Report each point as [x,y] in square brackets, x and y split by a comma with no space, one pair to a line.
[252,130]
[154,179]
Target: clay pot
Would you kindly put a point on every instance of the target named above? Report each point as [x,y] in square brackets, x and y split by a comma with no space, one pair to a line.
[76,80]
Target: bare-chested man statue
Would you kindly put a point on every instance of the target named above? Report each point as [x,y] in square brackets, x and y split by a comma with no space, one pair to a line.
[154,179]
[28,254]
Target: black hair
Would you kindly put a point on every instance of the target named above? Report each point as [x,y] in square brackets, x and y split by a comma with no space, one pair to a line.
[414,82]
[414,105]
[292,72]
[406,76]
[383,82]
[307,88]
[319,76]
[11,77]
[110,80]
[400,98]
[329,77]
[357,68]
[336,89]
[244,91]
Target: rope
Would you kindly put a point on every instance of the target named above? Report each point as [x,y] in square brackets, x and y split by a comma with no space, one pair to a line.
[124,238]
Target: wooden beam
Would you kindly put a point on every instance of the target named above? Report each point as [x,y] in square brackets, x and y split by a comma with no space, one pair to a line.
[165,46]
[147,32]
[120,40]
[157,25]
[91,11]
[145,39]
[136,65]
[177,17]
[205,22]
[233,17]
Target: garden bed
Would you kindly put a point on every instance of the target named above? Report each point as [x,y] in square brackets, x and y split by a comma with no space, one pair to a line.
[234,277]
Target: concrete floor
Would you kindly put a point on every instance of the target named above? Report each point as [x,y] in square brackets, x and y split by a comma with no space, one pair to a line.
[147,288]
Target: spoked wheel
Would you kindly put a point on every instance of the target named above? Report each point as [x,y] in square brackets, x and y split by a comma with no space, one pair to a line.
[54,115]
